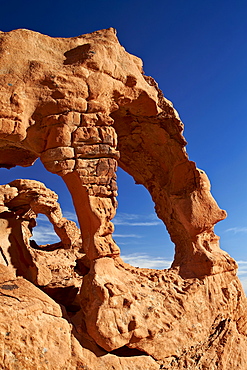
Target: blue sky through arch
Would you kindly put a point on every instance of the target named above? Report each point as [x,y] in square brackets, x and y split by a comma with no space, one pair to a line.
[140,234]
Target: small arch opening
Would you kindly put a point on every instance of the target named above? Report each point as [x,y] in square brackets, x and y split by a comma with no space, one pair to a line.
[43,259]
[43,233]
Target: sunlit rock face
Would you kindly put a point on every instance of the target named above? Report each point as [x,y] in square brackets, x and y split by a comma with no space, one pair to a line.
[84,106]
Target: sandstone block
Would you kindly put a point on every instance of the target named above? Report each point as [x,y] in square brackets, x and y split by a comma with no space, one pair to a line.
[59,135]
[57,154]
[96,151]
[60,167]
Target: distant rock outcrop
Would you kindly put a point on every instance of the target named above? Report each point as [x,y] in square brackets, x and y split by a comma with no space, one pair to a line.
[84,106]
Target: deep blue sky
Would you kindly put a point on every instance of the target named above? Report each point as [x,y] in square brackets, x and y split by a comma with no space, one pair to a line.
[197,52]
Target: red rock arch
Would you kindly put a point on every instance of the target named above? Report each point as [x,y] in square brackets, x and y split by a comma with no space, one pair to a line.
[83,105]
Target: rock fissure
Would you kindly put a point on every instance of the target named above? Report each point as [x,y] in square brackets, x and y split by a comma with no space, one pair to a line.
[9,296]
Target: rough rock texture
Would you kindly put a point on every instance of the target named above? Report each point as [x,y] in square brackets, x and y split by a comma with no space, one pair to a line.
[52,267]
[83,105]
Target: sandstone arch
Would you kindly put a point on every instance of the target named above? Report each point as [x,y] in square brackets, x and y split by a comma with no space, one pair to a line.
[83,105]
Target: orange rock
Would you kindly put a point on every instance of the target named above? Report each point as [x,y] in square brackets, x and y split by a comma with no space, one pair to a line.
[83,105]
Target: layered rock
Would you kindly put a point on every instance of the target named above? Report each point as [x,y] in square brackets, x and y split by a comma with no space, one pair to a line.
[83,105]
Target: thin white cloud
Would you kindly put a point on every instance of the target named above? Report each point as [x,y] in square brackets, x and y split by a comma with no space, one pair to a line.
[44,234]
[242,268]
[242,272]
[153,216]
[146,261]
[42,218]
[127,236]
[236,230]
[117,222]
[127,216]
[70,216]
[131,219]
[243,280]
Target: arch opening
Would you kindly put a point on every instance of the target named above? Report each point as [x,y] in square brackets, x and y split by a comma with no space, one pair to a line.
[42,254]
[43,231]
[142,237]
[149,152]
[37,172]
[152,151]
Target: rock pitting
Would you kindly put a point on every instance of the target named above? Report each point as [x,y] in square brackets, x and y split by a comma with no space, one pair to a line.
[83,106]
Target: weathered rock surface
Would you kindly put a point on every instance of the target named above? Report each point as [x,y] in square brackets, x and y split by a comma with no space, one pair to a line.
[83,105]
[22,201]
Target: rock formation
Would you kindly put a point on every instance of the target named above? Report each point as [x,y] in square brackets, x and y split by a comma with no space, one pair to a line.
[84,106]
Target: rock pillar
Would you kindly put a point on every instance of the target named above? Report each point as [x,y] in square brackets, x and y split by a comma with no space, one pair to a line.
[81,148]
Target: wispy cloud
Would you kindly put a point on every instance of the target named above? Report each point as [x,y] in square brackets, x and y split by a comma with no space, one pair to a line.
[127,236]
[236,230]
[146,261]
[129,219]
[242,273]
[42,218]
[154,223]
[45,234]
[70,216]
[128,216]
[243,280]
[242,268]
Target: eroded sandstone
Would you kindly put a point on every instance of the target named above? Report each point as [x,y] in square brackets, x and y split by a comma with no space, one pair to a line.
[83,106]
